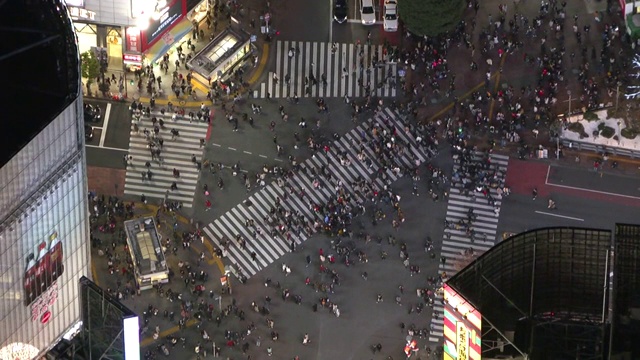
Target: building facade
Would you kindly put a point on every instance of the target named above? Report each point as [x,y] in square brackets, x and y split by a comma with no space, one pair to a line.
[133,33]
[44,223]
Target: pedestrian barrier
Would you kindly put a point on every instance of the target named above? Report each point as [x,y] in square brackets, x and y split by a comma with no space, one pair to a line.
[600,149]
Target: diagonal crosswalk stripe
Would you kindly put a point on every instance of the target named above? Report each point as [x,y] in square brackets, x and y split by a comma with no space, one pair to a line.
[176,154]
[268,246]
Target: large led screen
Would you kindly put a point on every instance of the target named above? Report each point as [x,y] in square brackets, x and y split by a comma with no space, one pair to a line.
[44,239]
[462,328]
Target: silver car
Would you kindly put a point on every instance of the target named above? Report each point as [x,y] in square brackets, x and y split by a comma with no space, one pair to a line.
[390,16]
[367,12]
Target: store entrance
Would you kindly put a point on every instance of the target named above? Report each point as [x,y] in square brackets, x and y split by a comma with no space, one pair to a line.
[114,50]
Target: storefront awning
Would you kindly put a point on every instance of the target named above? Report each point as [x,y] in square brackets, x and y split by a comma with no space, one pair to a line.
[171,37]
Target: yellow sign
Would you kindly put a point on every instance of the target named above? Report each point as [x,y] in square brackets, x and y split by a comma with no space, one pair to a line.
[462,341]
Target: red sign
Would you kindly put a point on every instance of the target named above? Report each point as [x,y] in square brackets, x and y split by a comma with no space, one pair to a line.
[132,58]
[45,317]
[40,307]
[133,40]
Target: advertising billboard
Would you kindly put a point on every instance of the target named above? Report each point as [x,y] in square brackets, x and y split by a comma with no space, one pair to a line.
[44,245]
[462,328]
[167,17]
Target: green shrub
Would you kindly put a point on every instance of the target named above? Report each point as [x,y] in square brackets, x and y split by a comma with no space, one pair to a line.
[578,128]
[629,133]
[608,132]
[590,116]
[601,126]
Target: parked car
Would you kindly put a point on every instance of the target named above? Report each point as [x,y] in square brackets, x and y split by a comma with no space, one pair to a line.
[91,113]
[88,132]
[367,12]
[390,16]
[340,11]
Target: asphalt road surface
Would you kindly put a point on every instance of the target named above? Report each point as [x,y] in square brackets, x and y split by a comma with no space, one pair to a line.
[111,134]
[583,197]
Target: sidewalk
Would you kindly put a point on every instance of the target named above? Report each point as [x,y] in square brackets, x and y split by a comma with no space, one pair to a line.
[166,227]
[132,93]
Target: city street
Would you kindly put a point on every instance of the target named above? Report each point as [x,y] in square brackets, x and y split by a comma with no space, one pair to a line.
[248,173]
[110,134]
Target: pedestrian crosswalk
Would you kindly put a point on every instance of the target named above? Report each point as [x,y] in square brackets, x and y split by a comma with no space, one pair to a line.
[176,153]
[267,248]
[458,247]
[339,70]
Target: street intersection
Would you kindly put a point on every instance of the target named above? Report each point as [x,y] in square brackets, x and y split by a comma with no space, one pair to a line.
[363,321]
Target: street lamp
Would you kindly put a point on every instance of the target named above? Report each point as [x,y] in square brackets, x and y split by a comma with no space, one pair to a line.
[617,95]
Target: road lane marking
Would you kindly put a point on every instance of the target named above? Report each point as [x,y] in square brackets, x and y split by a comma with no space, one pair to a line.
[103,135]
[356,21]
[214,144]
[247,152]
[106,147]
[546,182]
[262,156]
[210,128]
[263,62]
[560,216]
[230,148]
[330,23]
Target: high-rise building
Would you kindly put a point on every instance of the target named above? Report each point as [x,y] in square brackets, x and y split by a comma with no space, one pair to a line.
[44,222]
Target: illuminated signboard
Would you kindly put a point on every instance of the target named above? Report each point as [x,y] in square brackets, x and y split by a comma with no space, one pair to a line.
[81,14]
[462,328]
[40,275]
[131,328]
[167,18]
[132,35]
[132,58]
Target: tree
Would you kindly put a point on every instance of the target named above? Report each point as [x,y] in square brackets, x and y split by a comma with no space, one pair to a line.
[633,91]
[430,17]
[90,67]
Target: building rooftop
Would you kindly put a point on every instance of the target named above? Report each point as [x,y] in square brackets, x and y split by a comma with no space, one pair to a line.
[144,242]
[562,292]
[218,51]
[40,68]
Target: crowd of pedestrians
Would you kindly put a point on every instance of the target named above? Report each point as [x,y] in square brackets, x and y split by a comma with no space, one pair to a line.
[189,298]
[578,53]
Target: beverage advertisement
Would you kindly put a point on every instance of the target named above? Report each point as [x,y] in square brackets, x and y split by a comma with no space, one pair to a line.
[44,265]
[462,328]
